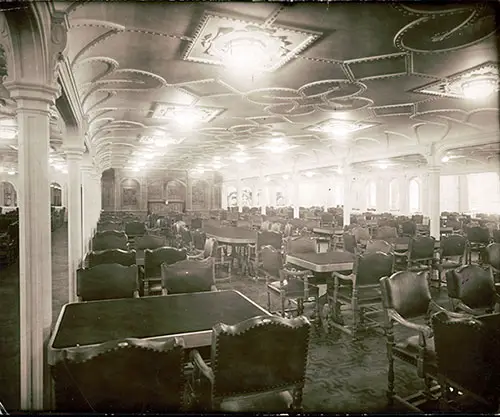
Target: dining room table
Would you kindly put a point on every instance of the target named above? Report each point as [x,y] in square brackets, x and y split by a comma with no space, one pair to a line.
[236,241]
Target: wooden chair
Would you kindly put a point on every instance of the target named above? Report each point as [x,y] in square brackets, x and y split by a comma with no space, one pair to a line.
[188,276]
[452,253]
[121,376]
[107,281]
[107,240]
[264,238]
[378,246]
[493,255]
[153,258]
[349,243]
[360,290]
[471,290]
[111,256]
[199,239]
[409,228]
[109,226]
[149,242]
[406,298]
[362,235]
[468,362]
[386,232]
[213,251]
[257,365]
[420,254]
[134,229]
[289,283]
[478,238]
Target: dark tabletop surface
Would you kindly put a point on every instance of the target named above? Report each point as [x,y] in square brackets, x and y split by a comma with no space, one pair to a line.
[325,258]
[101,321]
[231,232]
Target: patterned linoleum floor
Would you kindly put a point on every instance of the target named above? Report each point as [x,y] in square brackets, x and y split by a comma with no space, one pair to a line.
[342,375]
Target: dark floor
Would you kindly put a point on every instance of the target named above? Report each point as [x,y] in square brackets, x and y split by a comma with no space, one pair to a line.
[342,375]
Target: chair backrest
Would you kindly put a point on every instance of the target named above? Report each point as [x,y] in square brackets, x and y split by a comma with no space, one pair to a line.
[135,228]
[288,230]
[349,242]
[259,354]
[109,241]
[107,281]
[273,239]
[477,234]
[117,233]
[272,260]
[122,376]
[407,293]
[421,247]
[361,234]
[467,354]
[379,246]
[496,236]
[472,285]
[370,267]
[386,232]
[409,228]
[327,218]
[301,245]
[493,253]
[110,225]
[453,245]
[149,242]
[111,256]
[199,239]
[155,257]
[196,223]
[188,276]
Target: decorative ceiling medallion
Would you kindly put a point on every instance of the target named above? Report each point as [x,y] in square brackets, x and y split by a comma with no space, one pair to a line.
[340,126]
[218,37]
[175,112]
[460,85]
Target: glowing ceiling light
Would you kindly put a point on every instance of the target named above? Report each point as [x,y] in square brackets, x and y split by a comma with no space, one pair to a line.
[161,142]
[445,158]
[383,166]
[11,172]
[286,177]
[140,164]
[149,156]
[267,179]
[309,174]
[480,87]
[135,169]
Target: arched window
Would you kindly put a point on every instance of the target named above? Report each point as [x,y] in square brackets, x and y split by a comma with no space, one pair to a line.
[55,194]
[8,196]
[371,195]
[414,191]
[394,195]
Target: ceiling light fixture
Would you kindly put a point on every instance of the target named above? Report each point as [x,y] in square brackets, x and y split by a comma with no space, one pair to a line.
[286,177]
[480,87]
[11,172]
[445,158]
[309,174]
[383,166]
[339,128]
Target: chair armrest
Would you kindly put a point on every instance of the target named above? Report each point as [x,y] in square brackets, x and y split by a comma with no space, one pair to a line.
[79,299]
[195,257]
[136,294]
[164,291]
[200,364]
[213,288]
[450,313]
[461,306]
[349,277]
[405,253]
[426,331]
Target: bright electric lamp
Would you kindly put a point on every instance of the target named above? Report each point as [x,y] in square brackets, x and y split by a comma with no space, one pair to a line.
[140,164]
[286,177]
[11,172]
[309,174]
[383,166]
[480,87]
[161,142]
[445,158]
[245,54]
[149,156]
[135,169]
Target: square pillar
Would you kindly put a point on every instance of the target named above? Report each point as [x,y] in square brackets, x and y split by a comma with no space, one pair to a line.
[348,189]
[434,201]
[74,159]
[35,267]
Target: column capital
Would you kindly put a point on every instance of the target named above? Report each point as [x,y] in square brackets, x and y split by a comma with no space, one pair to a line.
[73,153]
[87,168]
[24,91]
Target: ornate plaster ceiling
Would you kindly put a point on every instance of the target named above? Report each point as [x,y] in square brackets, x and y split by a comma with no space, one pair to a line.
[389,69]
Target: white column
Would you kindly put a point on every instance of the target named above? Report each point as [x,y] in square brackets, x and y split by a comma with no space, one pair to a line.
[263,194]
[189,194]
[35,268]
[74,158]
[223,197]
[348,185]
[404,196]
[463,190]
[434,200]
[88,200]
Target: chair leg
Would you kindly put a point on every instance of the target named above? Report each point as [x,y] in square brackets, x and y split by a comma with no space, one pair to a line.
[390,358]
[355,311]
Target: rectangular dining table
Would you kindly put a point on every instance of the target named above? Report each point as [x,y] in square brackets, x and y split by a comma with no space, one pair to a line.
[190,316]
[323,262]
[401,243]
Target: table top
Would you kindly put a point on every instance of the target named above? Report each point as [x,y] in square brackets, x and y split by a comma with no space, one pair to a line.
[236,235]
[327,230]
[190,316]
[402,242]
[323,262]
